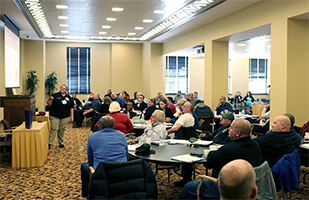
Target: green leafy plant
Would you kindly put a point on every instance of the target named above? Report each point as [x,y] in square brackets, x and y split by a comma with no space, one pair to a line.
[50,83]
[32,82]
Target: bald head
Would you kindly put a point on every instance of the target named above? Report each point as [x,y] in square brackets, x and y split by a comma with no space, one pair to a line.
[106,122]
[237,180]
[282,124]
[239,128]
[113,96]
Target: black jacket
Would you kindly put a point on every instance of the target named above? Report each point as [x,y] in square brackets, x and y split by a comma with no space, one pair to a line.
[242,148]
[123,180]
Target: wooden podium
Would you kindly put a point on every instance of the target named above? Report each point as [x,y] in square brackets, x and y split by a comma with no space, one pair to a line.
[15,106]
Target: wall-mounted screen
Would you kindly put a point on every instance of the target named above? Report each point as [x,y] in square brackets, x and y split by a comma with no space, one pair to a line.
[11,59]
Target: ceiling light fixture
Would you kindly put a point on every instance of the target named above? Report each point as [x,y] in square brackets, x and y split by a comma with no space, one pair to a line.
[64,31]
[106,27]
[139,28]
[241,45]
[117,9]
[159,11]
[186,13]
[131,33]
[64,25]
[63,17]
[110,19]
[102,33]
[147,20]
[62,7]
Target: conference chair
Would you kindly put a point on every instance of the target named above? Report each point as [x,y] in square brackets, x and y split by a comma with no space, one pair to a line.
[5,136]
[200,185]
[287,169]
[123,180]
[206,125]
[186,133]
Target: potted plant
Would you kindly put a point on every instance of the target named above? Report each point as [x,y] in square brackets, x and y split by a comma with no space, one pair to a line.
[50,83]
[32,82]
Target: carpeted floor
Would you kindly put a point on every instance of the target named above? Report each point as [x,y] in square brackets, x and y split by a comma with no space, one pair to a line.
[59,178]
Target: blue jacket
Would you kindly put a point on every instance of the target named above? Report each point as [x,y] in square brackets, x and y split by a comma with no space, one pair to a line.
[288,168]
[227,106]
[219,136]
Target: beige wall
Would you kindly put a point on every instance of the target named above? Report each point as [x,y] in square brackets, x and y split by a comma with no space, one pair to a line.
[196,74]
[157,81]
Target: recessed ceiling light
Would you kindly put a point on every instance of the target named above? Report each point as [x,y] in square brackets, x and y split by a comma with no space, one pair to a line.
[102,33]
[106,26]
[64,25]
[117,9]
[241,45]
[139,28]
[64,31]
[63,17]
[111,19]
[131,33]
[159,11]
[147,20]
[62,7]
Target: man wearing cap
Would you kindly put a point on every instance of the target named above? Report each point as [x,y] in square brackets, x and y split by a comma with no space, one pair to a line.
[220,135]
[242,147]
[107,144]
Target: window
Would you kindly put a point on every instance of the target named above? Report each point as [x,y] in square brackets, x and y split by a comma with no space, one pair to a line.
[176,74]
[258,76]
[78,70]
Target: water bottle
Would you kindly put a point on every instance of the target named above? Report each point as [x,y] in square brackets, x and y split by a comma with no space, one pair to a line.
[128,114]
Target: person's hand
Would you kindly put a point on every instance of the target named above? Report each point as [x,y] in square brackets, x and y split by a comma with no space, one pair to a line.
[218,104]
[267,106]
[149,122]
[72,119]
[168,120]
[51,98]
[179,115]
[75,106]
[84,113]
[263,120]
[253,136]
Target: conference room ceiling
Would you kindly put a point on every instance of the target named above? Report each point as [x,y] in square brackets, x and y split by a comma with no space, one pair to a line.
[86,18]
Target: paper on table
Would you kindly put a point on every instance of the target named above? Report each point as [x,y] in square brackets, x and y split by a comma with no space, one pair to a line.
[305,146]
[175,141]
[203,142]
[186,158]
[133,147]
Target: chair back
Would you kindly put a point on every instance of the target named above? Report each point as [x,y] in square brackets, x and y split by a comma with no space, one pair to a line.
[288,169]
[186,133]
[123,180]
[206,122]
[6,124]
[265,182]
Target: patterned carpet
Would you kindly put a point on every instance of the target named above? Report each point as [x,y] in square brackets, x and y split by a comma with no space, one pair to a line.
[59,178]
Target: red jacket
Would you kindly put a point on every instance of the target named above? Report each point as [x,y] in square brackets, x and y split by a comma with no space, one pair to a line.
[172,106]
[122,122]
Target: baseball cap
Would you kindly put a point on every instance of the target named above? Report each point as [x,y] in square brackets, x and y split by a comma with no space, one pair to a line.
[228,115]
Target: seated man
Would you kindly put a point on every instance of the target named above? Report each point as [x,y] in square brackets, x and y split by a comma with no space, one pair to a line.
[202,110]
[277,143]
[155,128]
[181,102]
[120,100]
[77,104]
[220,135]
[296,138]
[187,97]
[89,97]
[237,180]
[196,96]
[263,126]
[243,147]
[185,120]
[223,107]
[159,97]
[140,105]
[193,100]
[107,144]
[178,96]
[88,110]
[129,109]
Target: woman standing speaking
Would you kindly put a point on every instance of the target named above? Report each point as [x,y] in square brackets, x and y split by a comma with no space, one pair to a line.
[61,107]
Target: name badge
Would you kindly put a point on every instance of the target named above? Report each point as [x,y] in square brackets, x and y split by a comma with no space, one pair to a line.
[67,98]
[64,102]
